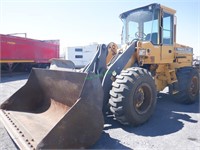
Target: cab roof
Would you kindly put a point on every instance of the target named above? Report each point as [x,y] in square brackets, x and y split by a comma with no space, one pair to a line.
[154,6]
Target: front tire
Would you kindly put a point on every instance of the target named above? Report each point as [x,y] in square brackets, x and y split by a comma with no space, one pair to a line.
[133,96]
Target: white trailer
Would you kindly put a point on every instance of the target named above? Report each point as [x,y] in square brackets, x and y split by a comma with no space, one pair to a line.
[81,55]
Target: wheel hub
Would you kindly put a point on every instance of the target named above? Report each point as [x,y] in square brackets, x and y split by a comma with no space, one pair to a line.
[140,98]
[194,86]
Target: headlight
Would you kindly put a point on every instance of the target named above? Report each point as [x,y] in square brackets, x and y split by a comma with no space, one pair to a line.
[142,52]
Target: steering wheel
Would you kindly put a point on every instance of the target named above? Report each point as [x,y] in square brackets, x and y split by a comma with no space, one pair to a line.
[138,35]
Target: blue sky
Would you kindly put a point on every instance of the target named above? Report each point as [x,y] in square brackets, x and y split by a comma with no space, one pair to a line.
[77,22]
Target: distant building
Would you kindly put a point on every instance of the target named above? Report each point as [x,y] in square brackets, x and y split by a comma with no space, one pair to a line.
[81,55]
[198,57]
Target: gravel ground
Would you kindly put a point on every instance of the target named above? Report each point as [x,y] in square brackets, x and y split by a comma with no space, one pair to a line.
[173,126]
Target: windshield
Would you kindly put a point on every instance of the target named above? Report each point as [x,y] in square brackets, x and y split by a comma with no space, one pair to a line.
[141,24]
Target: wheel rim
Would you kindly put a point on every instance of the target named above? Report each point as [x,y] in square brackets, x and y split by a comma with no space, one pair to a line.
[142,99]
[193,88]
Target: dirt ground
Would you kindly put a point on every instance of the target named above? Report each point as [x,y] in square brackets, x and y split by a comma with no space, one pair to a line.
[173,125]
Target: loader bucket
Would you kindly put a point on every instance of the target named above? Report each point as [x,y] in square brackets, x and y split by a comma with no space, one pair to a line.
[55,110]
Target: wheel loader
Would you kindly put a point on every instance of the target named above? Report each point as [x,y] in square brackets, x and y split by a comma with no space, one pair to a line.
[64,108]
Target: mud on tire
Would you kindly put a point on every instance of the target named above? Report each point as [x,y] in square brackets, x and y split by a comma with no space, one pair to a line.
[133,96]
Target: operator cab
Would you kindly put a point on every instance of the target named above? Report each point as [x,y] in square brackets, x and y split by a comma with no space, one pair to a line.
[153,23]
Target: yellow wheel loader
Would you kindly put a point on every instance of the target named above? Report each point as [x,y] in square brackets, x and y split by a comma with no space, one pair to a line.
[63,107]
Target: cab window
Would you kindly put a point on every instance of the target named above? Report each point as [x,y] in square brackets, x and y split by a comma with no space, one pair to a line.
[167,29]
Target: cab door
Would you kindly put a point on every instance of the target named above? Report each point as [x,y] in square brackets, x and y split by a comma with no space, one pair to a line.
[167,48]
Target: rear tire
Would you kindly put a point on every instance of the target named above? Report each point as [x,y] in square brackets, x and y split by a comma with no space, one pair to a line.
[133,96]
[188,85]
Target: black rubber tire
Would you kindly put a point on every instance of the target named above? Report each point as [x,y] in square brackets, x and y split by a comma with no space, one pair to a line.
[125,89]
[188,93]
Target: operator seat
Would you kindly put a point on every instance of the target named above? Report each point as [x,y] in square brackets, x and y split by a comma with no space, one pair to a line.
[153,37]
